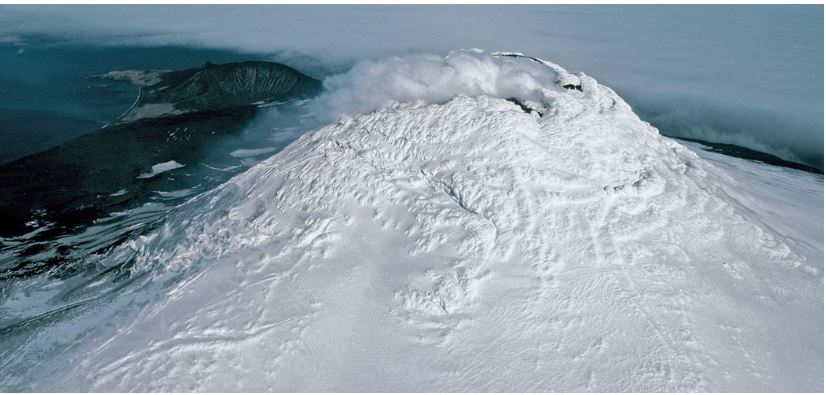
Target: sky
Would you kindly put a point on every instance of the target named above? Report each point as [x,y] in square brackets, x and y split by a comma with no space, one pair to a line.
[747,75]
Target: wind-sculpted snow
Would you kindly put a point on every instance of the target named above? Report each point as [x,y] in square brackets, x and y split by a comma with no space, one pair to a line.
[461,246]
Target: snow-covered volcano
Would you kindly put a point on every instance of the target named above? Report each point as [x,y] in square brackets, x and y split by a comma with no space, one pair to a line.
[478,227]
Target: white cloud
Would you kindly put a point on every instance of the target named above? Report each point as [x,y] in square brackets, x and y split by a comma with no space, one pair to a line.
[433,79]
[743,59]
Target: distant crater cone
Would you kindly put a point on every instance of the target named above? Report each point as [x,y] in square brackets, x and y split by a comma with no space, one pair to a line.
[218,86]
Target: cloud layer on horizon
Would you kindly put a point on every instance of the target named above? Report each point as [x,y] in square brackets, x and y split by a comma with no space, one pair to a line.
[749,75]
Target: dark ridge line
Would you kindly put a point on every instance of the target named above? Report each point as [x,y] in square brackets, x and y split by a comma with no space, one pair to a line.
[525,109]
[737,151]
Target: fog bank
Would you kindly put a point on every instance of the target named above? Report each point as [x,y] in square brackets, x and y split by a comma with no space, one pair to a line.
[748,75]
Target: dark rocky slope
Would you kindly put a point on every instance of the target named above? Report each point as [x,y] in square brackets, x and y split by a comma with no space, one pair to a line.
[217,86]
[70,184]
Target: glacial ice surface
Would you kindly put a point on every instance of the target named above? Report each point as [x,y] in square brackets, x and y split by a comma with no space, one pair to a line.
[462,244]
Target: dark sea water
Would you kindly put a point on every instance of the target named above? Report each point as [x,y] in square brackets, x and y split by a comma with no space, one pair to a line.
[46,97]
[50,109]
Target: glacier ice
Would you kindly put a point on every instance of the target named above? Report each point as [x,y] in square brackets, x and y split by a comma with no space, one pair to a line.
[446,240]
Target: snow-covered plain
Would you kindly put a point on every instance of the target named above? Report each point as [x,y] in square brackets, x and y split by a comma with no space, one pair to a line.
[452,241]
[161,168]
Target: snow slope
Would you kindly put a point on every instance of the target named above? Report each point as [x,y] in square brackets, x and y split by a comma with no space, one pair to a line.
[451,243]
[787,200]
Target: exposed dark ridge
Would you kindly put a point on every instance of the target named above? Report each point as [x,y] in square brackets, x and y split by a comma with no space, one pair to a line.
[513,55]
[217,86]
[750,154]
[71,183]
[525,109]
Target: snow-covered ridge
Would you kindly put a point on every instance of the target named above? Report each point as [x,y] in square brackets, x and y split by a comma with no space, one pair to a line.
[448,240]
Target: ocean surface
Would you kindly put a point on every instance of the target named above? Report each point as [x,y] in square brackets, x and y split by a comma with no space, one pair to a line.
[46,97]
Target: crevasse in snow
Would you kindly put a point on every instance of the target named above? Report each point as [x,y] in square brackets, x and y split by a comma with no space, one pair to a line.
[448,239]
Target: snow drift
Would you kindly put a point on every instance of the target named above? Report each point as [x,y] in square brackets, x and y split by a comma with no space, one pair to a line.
[447,239]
